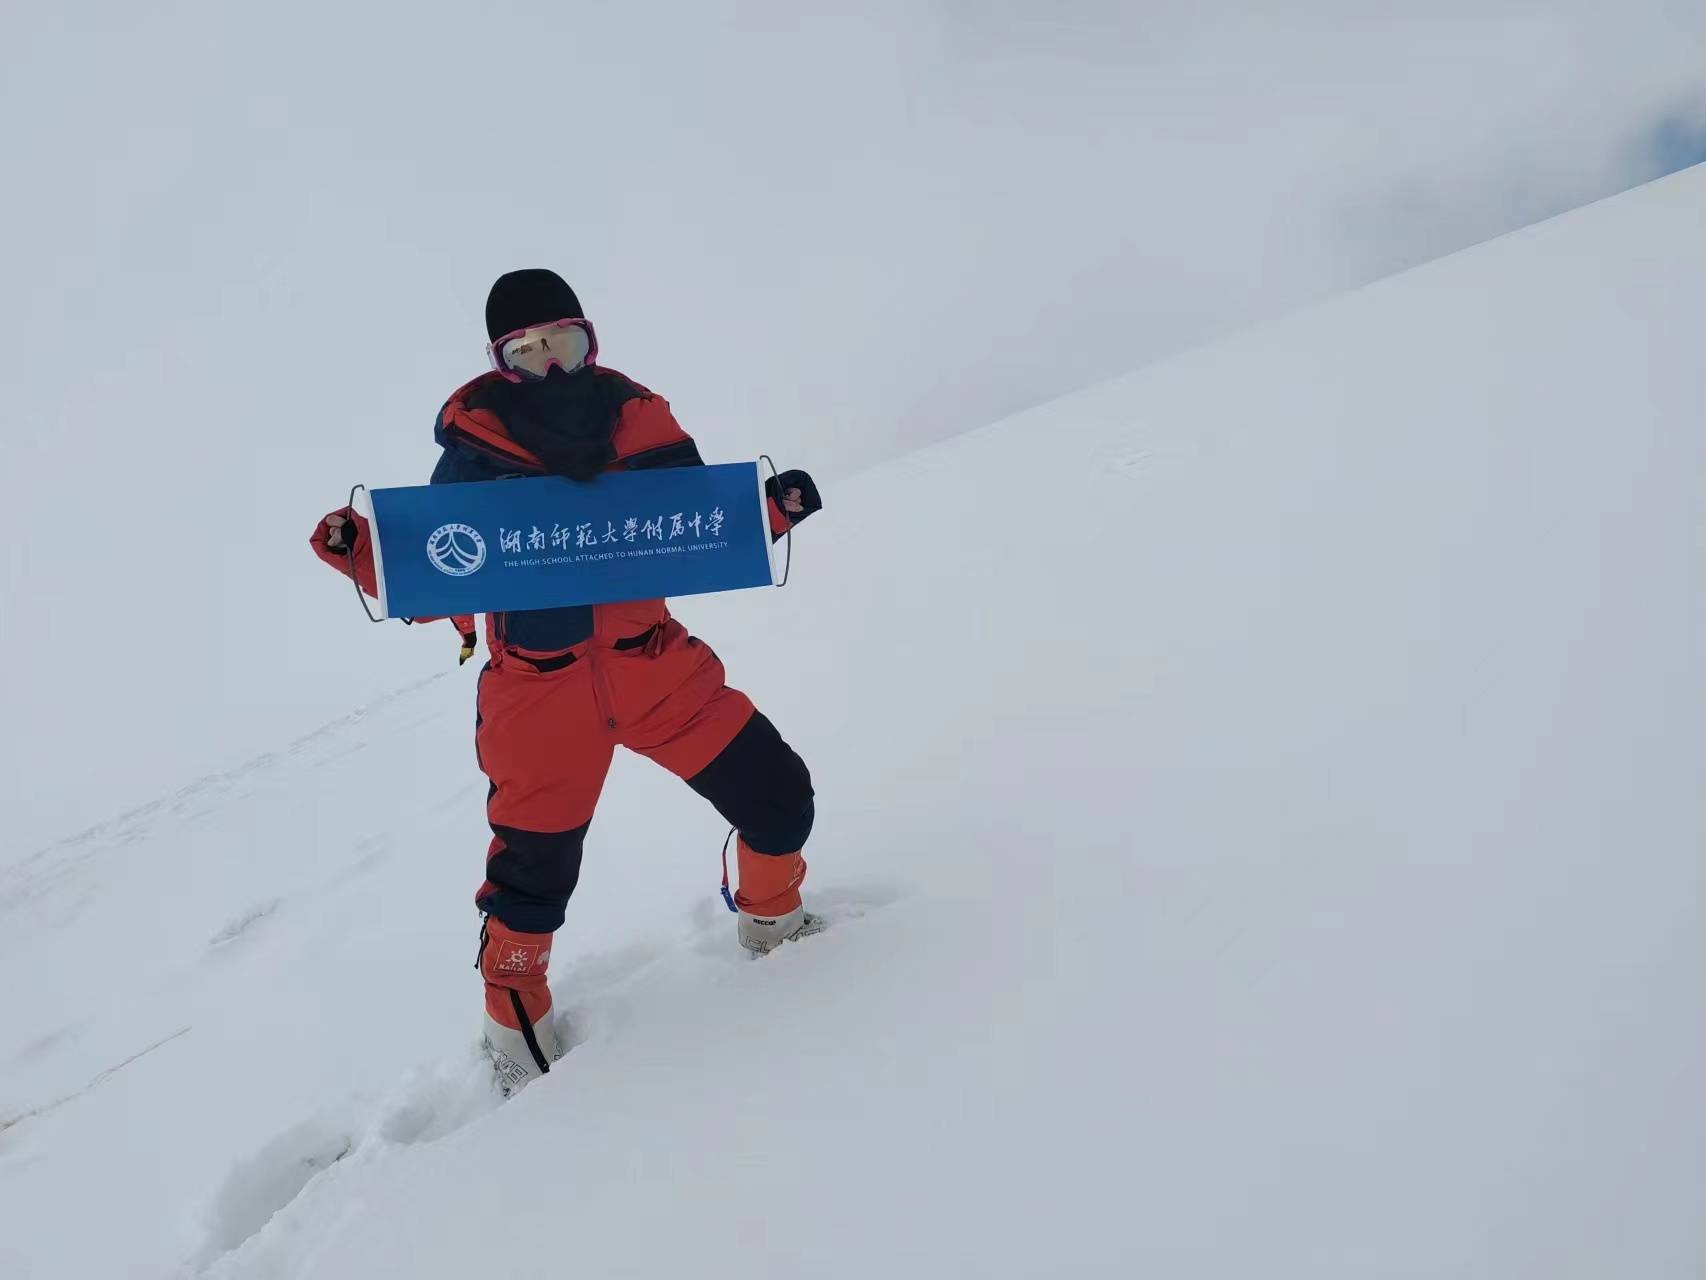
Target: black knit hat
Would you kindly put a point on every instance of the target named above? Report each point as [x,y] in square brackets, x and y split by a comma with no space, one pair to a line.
[523,298]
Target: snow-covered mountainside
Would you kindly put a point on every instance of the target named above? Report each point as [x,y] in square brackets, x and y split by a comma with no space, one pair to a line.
[1261,813]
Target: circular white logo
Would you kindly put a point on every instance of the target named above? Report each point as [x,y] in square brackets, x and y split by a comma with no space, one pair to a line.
[456,549]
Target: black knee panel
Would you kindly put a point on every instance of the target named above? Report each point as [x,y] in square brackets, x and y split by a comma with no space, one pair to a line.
[761,787]
[532,877]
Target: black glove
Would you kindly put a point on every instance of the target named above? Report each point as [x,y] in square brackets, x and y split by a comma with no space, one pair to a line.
[341,532]
[794,492]
[469,640]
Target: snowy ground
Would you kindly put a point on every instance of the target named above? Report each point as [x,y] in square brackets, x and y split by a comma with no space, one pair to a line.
[1262,822]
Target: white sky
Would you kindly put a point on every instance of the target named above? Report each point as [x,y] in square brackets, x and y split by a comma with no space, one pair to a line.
[246,250]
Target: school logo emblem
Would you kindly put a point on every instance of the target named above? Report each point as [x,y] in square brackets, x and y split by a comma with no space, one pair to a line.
[456,549]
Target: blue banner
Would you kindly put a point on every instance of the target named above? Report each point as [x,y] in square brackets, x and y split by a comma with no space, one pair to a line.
[546,542]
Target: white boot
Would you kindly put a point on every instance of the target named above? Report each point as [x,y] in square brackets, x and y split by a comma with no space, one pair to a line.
[762,935]
[513,1058]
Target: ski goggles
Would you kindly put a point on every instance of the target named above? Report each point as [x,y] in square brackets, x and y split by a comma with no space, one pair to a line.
[527,355]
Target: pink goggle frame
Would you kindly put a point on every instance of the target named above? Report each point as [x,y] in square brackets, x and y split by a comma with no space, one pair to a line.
[527,355]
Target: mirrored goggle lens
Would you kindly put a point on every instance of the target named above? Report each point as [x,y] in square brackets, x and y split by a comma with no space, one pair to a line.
[532,352]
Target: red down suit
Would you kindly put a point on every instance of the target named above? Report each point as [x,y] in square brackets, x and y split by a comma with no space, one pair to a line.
[563,688]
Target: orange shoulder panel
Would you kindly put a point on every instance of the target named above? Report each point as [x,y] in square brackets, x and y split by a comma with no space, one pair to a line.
[645,423]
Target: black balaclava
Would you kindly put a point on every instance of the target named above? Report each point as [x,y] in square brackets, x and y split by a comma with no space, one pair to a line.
[567,419]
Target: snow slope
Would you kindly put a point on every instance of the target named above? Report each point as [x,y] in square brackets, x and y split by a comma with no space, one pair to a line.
[1263,828]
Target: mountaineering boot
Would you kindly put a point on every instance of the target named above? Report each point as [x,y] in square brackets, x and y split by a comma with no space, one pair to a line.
[517,1061]
[769,899]
[521,1035]
[763,934]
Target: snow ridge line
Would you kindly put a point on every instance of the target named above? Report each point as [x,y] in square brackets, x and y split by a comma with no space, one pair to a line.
[214,781]
[10,1122]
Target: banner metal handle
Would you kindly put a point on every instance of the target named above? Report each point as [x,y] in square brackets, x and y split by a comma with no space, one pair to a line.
[788,537]
[350,556]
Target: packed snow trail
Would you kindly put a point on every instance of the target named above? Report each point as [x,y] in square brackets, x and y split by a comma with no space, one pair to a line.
[1259,800]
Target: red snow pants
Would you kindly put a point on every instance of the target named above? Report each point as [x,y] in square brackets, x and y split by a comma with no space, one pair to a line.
[546,738]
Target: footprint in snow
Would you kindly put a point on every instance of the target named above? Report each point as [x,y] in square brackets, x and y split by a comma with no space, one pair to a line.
[373,852]
[1130,461]
[431,1104]
[268,1181]
[597,973]
[272,1185]
[236,928]
[714,924]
